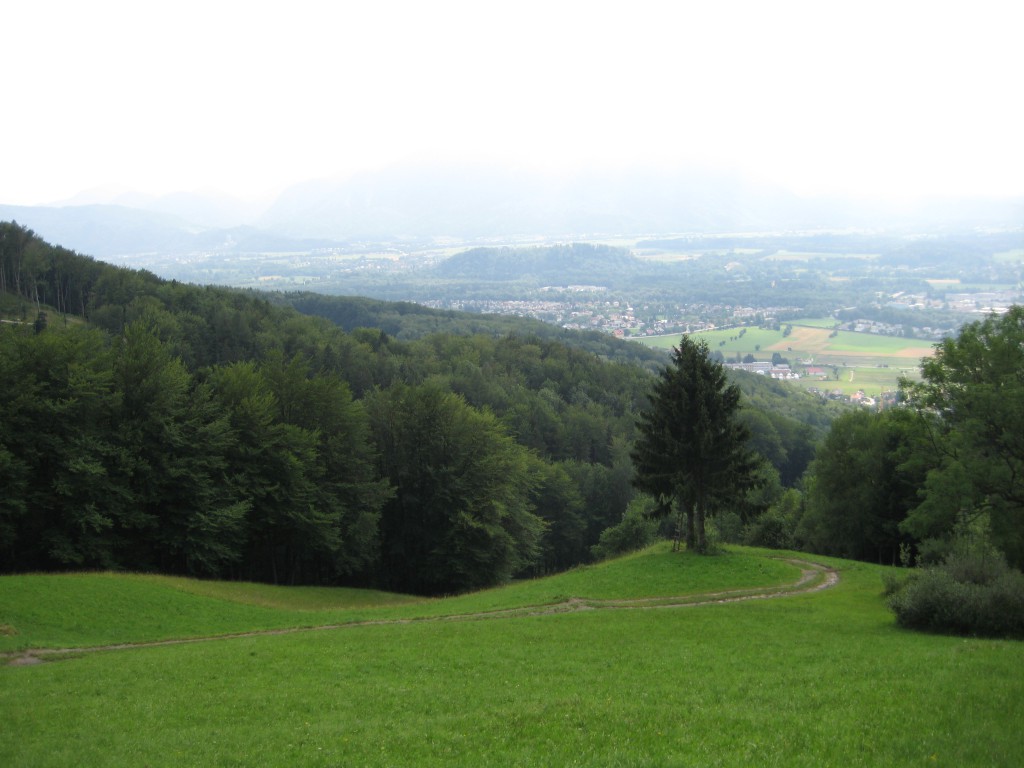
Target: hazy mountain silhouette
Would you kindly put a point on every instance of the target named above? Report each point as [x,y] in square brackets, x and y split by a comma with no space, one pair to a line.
[477,203]
[203,208]
[113,230]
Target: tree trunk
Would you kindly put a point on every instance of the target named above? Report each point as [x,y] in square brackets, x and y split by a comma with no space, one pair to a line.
[691,540]
[702,540]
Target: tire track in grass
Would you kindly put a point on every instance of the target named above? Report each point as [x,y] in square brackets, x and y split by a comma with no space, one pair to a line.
[814,577]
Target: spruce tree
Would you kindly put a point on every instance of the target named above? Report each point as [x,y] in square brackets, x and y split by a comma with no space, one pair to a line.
[692,451]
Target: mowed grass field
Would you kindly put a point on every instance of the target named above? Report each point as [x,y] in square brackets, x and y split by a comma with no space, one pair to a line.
[866,361]
[812,679]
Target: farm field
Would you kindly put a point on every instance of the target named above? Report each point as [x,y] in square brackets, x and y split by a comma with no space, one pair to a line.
[805,679]
[863,361]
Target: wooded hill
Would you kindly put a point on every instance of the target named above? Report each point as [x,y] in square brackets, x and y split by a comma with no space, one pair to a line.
[152,425]
[572,263]
[408,321]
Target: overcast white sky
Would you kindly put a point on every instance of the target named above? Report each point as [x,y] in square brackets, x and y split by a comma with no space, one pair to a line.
[895,98]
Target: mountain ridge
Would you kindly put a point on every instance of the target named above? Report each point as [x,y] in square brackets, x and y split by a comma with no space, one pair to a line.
[432,204]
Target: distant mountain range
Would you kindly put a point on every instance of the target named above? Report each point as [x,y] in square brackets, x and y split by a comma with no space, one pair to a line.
[475,203]
[106,231]
[207,209]
[417,204]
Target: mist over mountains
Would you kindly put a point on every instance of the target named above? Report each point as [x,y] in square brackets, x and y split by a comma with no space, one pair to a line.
[470,204]
[203,208]
[473,203]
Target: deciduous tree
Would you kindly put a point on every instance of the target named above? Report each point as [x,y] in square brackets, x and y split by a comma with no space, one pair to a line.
[971,397]
[859,490]
[461,517]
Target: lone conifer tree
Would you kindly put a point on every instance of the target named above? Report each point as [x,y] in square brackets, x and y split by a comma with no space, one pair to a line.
[692,450]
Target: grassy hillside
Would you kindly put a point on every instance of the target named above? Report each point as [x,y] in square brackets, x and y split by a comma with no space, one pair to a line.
[92,609]
[823,678]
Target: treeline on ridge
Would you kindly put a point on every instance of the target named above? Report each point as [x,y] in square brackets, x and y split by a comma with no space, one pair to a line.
[405,321]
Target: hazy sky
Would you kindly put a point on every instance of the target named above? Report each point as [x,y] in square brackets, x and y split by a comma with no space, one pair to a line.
[898,98]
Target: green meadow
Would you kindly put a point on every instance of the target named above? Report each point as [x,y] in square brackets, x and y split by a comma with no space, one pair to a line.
[627,663]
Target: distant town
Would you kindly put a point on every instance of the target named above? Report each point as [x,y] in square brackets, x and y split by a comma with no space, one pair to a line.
[592,308]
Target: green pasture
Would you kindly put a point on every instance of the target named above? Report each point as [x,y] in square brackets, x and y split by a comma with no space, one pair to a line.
[90,609]
[870,344]
[817,679]
[726,340]
[872,381]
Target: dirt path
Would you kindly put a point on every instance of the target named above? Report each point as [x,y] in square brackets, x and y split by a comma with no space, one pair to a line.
[813,578]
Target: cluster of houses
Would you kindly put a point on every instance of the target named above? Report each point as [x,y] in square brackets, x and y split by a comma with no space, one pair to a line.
[885,400]
[773,370]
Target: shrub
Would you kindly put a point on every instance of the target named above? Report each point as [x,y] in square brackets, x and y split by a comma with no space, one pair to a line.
[730,527]
[635,531]
[972,592]
[894,582]
[776,528]
[975,564]
[773,529]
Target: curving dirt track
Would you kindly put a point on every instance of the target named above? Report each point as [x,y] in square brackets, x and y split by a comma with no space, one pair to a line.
[814,577]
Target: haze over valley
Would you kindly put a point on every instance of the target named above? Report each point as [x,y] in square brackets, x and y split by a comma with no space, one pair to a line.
[750,161]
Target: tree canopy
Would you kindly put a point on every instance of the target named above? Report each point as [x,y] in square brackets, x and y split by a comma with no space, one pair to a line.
[971,400]
[461,516]
[859,488]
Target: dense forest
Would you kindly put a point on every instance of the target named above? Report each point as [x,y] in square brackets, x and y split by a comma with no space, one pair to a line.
[153,425]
